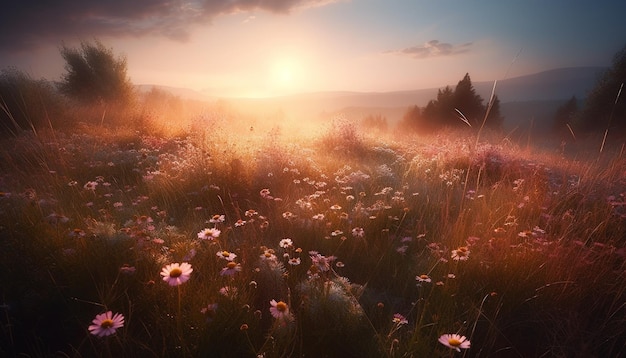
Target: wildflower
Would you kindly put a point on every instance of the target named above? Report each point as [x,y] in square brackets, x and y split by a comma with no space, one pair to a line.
[90,185]
[55,219]
[461,254]
[250,213]
[399,319]
[335,207]
[176,274]
[454,341]
[358,232]
[209,234]
[210,310]
[231,268]
[289,215]
[105,324]
[229,256]
[268,255]
[280,310]
[217,219]
[423,278]
[321,262]
[240,223]
[336,233]
[77,233]
[127,269]
[265,193]
[294,261]
[285,243]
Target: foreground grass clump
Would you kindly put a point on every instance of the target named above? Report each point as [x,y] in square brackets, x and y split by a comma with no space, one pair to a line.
[257,243]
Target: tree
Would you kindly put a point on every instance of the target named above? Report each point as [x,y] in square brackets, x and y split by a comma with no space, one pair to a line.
[468,102]
[603,107]
[564,115]
[440,112]
[94,74]
[412,120]
[495,119]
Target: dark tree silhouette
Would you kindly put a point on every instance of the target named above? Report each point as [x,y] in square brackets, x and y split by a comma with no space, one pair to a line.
[412,120]
[94,74]
[468,102]
[564,115]
[440,112]
[495,118]
[601,110]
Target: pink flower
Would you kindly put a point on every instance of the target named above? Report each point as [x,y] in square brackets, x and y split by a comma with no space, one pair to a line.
[455,341]
[280,310]
[176,274]
[209,234]
[105,324]
[230,269]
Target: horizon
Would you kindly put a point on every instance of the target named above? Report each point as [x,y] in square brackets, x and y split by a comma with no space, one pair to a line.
[167,87]
[262,50]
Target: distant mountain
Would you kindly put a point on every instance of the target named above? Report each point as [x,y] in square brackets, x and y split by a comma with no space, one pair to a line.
[527,98]
[557,84]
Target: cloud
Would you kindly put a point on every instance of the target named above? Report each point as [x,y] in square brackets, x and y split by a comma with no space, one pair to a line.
[25,25]
[434,48]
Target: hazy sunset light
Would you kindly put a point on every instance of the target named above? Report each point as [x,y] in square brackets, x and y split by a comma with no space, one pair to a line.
[258,49]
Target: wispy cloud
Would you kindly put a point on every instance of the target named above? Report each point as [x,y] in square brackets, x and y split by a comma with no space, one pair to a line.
[24,25]
[434,48]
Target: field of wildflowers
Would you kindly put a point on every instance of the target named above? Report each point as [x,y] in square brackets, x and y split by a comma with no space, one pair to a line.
[222,241]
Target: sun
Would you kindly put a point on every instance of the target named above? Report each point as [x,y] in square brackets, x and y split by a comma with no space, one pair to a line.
[285,75]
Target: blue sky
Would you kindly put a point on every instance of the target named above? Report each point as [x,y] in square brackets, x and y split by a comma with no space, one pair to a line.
[262,48]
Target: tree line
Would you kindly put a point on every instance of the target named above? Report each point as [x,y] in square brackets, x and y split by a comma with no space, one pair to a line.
[95,76]
[458,107]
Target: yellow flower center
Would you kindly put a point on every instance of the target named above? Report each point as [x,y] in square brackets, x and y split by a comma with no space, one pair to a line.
[231,265]
[424,277]
[268,255]
[107,323]
[225,253]
[454,342]
[176,272]
[281,306]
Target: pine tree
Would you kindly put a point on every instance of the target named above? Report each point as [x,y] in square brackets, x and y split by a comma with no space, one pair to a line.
[495,118]
[564,115]
[468,102]
[601,108]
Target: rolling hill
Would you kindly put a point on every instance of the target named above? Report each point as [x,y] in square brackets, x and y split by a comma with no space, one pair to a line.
[523,99]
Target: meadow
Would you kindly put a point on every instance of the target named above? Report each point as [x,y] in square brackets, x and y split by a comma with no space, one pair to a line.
[211,234]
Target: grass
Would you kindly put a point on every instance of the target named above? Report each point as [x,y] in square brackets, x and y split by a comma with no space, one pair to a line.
[395,242]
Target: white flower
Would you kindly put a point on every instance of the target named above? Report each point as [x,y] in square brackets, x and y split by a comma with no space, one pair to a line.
[209,234]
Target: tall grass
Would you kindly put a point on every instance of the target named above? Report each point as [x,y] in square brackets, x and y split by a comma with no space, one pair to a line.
[394,242]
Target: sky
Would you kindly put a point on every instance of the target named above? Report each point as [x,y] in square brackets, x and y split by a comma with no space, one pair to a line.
[259,48]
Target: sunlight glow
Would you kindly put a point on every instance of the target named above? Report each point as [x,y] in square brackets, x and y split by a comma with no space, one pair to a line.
[285,75]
